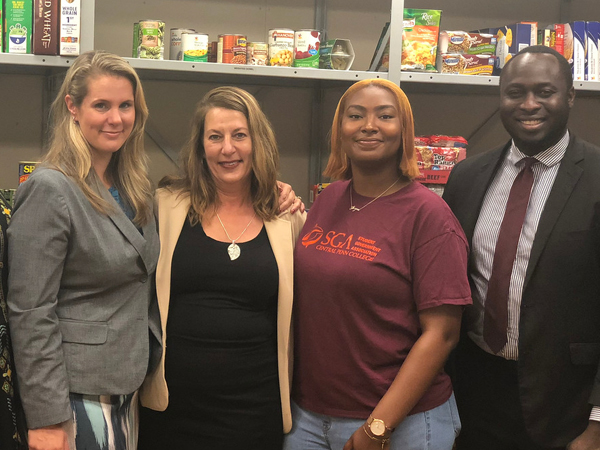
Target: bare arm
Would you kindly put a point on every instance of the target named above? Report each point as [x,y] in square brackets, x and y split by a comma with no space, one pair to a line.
[441,329]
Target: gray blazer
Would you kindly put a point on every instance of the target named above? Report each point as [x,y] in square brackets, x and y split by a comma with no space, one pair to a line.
[80,285]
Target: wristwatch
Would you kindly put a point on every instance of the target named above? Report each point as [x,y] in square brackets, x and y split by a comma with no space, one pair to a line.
[378,428]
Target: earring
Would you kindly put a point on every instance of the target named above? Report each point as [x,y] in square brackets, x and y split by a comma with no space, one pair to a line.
[75,121]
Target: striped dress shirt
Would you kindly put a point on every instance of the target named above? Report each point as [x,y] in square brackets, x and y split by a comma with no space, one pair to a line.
[486,233]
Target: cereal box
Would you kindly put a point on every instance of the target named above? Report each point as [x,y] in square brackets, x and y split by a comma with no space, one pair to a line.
[579,50]
[593,67]
[70,27]
[420,39]
[19,25]
[45,27]
[511,40]
[25,169]
[1,29]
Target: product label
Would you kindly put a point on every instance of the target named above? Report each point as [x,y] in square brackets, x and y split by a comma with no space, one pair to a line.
[70,27]
[19,24]
[306,51]
[195,47]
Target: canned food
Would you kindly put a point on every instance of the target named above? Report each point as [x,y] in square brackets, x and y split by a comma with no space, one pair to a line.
[212,51]
[281,47]
[175,47]
[151,42]
[194,47]
[231,49]
[25,169]
[306,48]
[257,53]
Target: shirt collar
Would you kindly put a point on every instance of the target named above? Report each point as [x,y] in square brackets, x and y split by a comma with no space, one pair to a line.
[548,157]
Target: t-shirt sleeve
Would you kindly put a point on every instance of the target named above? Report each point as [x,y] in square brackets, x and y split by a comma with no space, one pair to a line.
[439,271]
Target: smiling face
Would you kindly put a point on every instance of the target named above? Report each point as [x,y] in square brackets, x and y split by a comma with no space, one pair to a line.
[371,130]
[228,148]
[106,115]
[535,102]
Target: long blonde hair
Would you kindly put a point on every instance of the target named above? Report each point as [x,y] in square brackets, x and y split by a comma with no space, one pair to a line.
[339,166]
[70,152]
[195,178]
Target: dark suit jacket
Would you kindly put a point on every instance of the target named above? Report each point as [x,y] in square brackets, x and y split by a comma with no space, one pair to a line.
[559,341]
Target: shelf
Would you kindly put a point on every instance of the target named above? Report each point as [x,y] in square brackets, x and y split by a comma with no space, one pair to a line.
[287,76]
[195,71]
[32,64]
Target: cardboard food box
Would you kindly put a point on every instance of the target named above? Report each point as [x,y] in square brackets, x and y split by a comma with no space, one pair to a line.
[26,168]
[511,40]
[18,25]
[1,28]
[544,37]
[593,36]
[467,43]
[579,45]
[337,54]
[420,39]
[45,27]
[70,27]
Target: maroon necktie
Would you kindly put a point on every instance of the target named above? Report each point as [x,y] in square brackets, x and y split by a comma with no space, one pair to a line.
[495,320]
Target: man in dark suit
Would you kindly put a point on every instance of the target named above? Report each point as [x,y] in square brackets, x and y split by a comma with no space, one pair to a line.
[526,369]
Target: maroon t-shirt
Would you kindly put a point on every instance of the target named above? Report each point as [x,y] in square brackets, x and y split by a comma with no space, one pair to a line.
[360,280]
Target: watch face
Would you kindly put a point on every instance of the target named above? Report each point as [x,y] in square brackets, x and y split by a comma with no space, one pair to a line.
[377,427]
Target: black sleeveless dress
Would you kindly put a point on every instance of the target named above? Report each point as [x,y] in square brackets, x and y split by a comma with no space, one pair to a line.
[221,356]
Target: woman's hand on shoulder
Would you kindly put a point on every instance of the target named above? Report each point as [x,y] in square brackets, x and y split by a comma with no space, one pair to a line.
[360,441]
[288,199]
[52,437]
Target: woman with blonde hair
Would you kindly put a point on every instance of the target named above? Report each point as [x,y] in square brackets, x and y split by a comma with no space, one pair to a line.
[379,289]
[83,250]
[225,284]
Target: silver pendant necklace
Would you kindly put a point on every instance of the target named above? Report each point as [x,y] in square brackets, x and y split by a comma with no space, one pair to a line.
[234,250]
[355,209]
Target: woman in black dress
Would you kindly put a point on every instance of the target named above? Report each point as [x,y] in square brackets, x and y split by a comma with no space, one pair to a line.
[224,285]
[12,422]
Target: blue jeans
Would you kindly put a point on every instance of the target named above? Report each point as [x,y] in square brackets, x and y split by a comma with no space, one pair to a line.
[435,429]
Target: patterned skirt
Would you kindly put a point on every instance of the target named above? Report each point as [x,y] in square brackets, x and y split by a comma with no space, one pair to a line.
[103,422]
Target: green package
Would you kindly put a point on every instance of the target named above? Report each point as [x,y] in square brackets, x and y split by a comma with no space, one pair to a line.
[19,25]
[420,39]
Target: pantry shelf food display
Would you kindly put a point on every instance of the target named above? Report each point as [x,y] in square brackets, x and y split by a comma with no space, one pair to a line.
[66,27]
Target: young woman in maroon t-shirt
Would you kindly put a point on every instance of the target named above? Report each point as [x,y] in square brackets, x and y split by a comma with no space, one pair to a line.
[380,284]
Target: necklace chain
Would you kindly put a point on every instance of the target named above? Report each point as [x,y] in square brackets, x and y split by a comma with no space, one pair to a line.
[355,209]
[234,250]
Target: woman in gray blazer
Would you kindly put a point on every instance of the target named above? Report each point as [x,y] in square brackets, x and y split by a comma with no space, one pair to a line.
[83,252]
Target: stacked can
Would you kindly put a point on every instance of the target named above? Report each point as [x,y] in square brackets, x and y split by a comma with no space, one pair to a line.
[194,47]
[281,47]
[306,48]
[175,47]
[148,39]
[231,49]
[257,53]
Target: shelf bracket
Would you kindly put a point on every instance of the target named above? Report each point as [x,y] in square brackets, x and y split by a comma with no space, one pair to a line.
[321,18]
[396,27]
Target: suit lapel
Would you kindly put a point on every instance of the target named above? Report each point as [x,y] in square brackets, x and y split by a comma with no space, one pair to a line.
[122,222]
[568,174]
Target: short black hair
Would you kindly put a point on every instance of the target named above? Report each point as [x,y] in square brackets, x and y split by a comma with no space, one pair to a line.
[563,64]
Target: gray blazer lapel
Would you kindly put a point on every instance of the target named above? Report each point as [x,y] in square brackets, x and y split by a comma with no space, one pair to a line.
[126,226]
[566,179]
